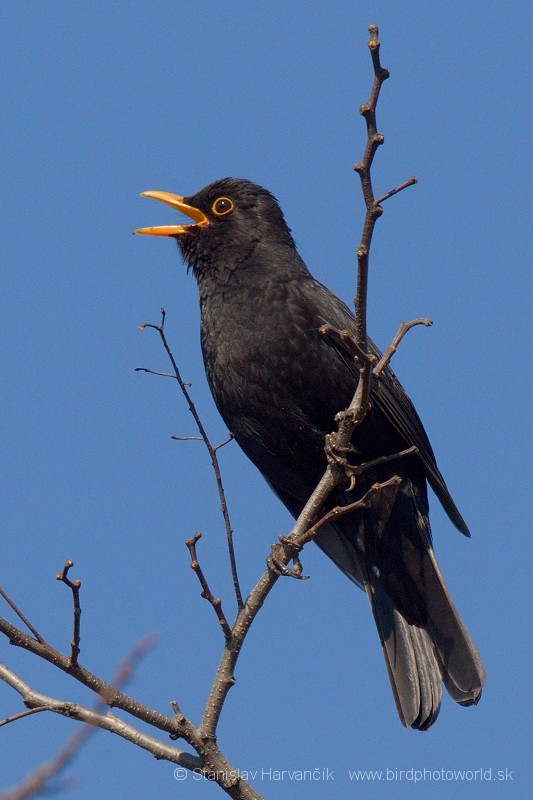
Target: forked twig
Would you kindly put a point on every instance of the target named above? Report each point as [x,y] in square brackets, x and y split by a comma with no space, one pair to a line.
[216,602]
[75,588]
[211,449]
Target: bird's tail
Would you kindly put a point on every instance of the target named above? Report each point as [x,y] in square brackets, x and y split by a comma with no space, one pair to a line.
[420,657]
[425,642]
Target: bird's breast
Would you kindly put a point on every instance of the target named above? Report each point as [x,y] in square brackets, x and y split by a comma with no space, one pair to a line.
[265,359]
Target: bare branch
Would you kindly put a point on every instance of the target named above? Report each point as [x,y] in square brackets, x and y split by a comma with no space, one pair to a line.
[21,616]
[348,342]
[359,469]
[36,782]
[106,721]
[211,450]
[277,562]
[75,587]
[206,592]
[110,694]
[224,443]
[400,188]
[154,371]
[363,168]
[391,349]
[339,511]
[211,763]
[373,210]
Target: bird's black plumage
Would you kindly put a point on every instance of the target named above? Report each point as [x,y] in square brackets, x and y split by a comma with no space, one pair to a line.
[278,384]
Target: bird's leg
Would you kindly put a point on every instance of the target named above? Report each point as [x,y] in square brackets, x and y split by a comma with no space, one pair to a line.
[335,453]
[352,471]
[336,456]
[283,552]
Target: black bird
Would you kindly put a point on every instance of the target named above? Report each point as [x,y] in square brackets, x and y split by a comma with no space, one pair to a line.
[278,384]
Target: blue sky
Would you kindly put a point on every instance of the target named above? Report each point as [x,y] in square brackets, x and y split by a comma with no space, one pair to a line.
[104,102]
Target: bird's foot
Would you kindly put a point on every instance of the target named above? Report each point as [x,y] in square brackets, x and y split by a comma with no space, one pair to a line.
[278,557]
[337,456]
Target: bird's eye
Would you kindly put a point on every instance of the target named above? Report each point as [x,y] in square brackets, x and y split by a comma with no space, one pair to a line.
[222,206]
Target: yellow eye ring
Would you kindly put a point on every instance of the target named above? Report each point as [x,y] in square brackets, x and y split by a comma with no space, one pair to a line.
[222,206]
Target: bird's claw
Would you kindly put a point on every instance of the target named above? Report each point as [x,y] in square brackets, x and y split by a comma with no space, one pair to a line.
[336,456]
[276,560]
[353,480]
[335,453]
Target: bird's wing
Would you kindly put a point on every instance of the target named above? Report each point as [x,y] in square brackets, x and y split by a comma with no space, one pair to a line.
[389,396]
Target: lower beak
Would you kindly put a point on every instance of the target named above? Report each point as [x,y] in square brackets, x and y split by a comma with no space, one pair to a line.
[176,202]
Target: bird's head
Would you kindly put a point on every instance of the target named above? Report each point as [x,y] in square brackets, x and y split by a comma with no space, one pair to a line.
[231,217]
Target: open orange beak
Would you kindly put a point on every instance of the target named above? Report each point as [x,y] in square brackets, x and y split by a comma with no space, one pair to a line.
[176,202]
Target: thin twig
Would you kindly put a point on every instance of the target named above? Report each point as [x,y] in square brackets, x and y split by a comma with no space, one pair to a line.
[409,182]
[391,349]
[75,588]
[199,439]
[348,342]
[153,371]
[363,168]
[206,591]
[21,715]
[230,438]
[21,616]
[373,211]
[339,511]
[212,453]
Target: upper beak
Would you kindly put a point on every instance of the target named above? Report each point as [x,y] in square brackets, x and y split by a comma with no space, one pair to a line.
[174,201]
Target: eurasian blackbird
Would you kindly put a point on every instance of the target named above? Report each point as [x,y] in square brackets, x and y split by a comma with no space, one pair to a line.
[278,384]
